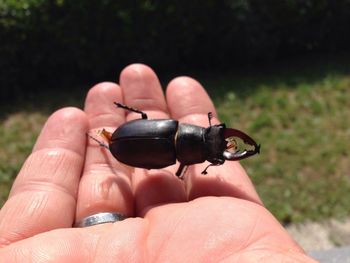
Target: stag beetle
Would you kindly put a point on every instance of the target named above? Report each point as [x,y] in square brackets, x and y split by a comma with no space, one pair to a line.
[154,144]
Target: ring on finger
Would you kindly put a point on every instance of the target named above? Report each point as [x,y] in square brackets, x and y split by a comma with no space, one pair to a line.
[100,218]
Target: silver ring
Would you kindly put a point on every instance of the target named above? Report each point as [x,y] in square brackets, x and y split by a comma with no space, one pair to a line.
[100,218]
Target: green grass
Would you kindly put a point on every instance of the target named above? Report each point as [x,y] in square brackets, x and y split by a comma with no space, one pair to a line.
[301,118]
[18,133]
[299,113]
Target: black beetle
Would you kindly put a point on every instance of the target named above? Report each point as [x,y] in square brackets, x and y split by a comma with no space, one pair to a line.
[154,144]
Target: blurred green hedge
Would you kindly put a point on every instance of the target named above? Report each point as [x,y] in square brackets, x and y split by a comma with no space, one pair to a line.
[49,43]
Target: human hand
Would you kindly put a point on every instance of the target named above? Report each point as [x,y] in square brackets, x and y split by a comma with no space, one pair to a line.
[204,218]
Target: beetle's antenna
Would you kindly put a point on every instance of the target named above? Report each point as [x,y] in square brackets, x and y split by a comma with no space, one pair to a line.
[206,168]
[98,141]
[143,115]
[212,164]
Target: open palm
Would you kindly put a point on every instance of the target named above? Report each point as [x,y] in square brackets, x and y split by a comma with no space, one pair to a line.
[216,217]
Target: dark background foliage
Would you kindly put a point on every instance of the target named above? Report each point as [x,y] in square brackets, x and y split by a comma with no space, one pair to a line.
[59,43]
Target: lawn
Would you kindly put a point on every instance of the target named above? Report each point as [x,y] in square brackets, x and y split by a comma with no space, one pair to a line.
[298,111]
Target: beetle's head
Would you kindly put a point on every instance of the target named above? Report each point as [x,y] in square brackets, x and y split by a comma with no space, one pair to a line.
[239,145]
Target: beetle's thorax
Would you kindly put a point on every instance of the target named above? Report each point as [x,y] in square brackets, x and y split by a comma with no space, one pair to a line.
[189,144]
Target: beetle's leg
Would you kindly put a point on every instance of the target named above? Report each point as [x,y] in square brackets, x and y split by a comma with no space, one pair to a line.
[210,116]
[98,141]
[180,173]
[143,115]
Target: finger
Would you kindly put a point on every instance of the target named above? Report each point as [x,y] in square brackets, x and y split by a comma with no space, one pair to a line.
[216,226]
[43,196]
[119,242]
[142,90]
[255,234]
[105,185]
[187,99]
[189,102]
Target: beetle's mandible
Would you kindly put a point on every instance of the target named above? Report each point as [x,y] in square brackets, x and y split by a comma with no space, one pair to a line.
[154,144]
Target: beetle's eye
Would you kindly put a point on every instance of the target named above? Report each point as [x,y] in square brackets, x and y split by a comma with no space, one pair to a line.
[236,144]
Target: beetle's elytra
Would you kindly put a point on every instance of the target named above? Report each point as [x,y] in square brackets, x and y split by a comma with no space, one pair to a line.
[154,144]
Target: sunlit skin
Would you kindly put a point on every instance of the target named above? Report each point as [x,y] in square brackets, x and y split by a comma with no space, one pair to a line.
[216,217]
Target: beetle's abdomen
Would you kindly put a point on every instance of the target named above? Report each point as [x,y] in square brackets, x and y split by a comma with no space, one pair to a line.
[146,144]
[190,144]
